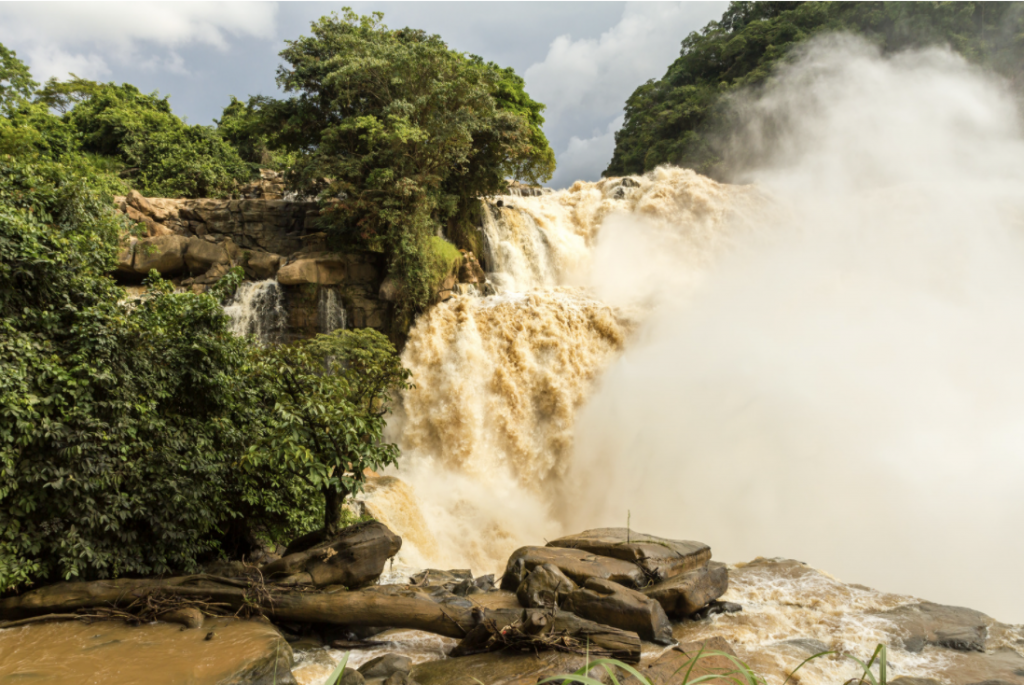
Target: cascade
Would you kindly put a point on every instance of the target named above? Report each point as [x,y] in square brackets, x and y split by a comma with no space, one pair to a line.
[330,311]
[257,308]
[487,434]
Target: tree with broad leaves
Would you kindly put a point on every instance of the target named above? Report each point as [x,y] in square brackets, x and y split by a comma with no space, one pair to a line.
[324,407]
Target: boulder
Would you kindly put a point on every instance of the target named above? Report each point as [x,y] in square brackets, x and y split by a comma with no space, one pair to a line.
[136,200]
[611,604]
[577,564]
[317,268]
[684,595]
[227,651]
[126,255]
[544,586]
[202,254]
[262,265]
[166,254]
[384,666]
[956,628]
[661,558]
[354,557]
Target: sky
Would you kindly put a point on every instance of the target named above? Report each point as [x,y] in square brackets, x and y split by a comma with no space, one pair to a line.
[582,59]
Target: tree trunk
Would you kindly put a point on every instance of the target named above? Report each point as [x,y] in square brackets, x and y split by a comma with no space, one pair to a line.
[332,510]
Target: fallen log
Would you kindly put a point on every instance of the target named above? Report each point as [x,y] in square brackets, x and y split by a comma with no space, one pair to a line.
[393,607]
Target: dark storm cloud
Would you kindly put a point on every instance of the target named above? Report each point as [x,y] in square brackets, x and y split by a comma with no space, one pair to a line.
[582,59]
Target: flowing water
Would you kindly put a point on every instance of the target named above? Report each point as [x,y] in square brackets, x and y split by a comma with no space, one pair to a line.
[257,308]
[330,311]
[823,364]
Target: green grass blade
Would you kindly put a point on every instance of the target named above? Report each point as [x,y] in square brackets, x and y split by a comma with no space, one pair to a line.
[805,661]
[338,670]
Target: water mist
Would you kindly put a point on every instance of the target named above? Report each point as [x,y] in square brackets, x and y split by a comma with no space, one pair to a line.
[846,385]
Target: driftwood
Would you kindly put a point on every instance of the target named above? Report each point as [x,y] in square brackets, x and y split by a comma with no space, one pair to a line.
[362,608]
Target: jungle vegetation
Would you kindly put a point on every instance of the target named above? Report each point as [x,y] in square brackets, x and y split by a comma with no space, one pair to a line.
[683,117]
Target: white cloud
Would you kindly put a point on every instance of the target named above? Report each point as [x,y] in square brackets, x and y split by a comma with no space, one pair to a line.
[585,82]
[49,60]
[93,35]
[585,158]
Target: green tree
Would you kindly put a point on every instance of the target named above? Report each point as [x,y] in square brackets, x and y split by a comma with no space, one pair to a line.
[16,84]
[121,421]
[396,133]
[163,155]
[325,403]
[681,118]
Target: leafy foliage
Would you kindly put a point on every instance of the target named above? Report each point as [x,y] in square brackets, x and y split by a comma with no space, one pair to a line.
[16,84]
[395,132]
[680,118]
[123,422]
[324,403]
[164,156]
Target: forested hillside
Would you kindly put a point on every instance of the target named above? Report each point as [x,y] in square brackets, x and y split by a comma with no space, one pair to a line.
[138,435]
[683,117]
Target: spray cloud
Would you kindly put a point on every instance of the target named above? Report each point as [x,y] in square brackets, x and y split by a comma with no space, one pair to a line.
[845,386]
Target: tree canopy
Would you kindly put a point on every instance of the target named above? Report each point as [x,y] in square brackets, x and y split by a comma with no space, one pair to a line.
[680,118]
[395,133]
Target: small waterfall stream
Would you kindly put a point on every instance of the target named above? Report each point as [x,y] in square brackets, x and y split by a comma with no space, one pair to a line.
[330,311]
[258,309]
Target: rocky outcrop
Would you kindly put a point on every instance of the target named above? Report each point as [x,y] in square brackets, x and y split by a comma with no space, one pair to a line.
[577,564]
[612,604]
[659,558]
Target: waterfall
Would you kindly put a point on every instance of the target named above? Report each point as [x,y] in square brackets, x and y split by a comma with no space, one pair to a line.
[487,435]
[330,311]
[257,308]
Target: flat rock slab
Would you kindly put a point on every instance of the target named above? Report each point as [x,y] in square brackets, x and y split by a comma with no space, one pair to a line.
[577,564]
[661,558]
[115,653]
[611,604]
[687,594]
[956,628]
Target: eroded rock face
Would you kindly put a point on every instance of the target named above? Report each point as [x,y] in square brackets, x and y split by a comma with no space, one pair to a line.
[165,253]
[577,564]
[686,594]
[201,254]
[322,268]
[660,558]
[353,558]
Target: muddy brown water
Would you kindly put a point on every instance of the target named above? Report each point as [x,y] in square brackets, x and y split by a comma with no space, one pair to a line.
[115,653]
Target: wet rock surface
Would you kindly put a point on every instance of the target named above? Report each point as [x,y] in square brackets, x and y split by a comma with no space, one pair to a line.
[686,594]
[660,558]
[577,564]
[606,602]
[926,623]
